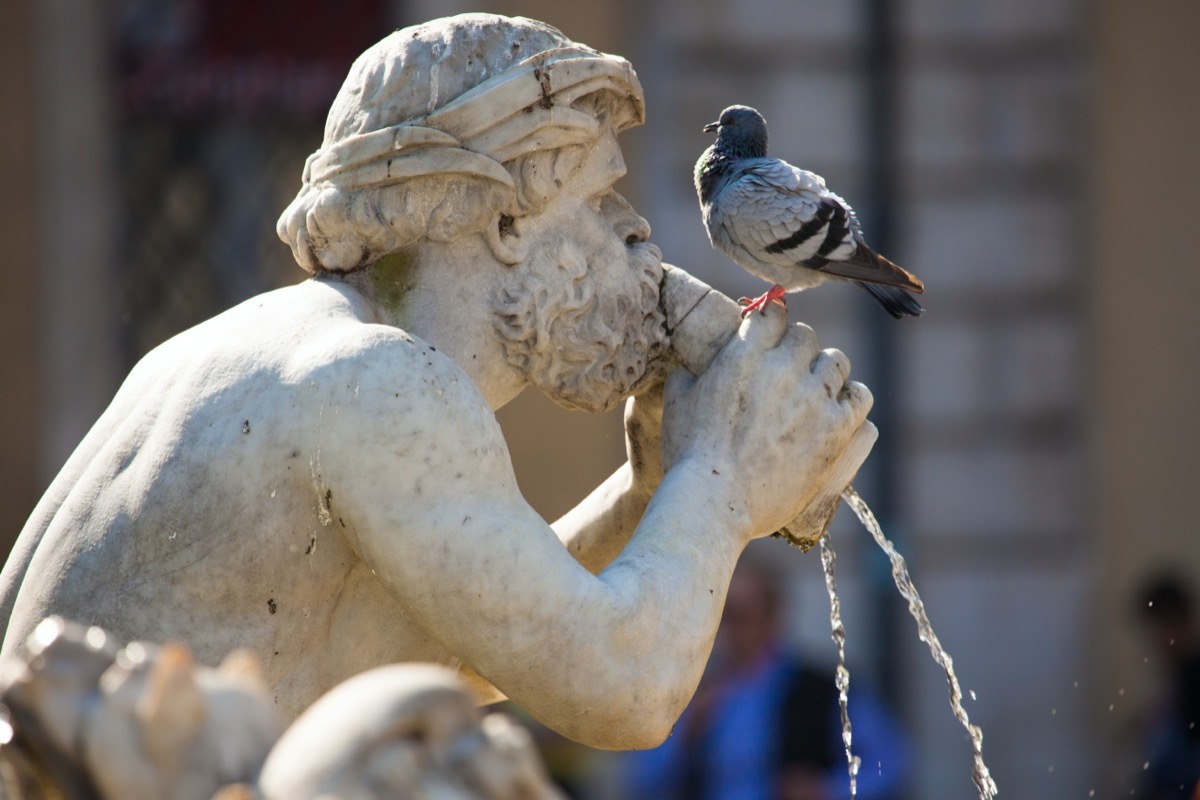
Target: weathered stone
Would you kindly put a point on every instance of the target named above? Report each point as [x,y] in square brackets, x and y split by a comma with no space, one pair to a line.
[317,474]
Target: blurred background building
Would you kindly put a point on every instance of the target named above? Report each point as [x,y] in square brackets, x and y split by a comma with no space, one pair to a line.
[1034,162]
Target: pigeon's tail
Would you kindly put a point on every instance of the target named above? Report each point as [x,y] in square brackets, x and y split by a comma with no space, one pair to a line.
[865,265]
[895,301]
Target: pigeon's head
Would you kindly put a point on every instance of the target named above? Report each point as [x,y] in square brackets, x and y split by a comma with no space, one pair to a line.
[741,132]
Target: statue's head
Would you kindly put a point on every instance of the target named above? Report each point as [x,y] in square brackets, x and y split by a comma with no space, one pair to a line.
[503,129]
[447,128]
[403,730]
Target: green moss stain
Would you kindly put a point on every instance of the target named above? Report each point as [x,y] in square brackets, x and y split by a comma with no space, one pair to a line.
[391,278]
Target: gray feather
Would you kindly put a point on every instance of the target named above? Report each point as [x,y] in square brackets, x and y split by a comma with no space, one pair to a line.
[782,223]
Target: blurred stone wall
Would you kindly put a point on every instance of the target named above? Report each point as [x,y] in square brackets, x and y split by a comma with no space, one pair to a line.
[20,357]
[985,435]
[1142,280]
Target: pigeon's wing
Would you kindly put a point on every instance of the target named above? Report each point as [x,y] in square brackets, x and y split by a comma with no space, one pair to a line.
[773,211]
[785,216]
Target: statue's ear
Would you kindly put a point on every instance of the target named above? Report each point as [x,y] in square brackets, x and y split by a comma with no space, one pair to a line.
[504,240]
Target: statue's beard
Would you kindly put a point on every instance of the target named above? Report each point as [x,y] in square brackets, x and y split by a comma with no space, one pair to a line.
[586,345]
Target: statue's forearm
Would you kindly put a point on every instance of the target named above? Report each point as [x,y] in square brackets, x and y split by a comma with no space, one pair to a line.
[640,645]
[598,528]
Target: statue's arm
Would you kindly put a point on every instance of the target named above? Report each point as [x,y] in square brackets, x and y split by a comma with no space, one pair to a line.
[609,660]
[439,518]
[597,529]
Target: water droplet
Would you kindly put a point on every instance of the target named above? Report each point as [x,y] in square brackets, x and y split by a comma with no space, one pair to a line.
[972,693]
[1120,692]
[1050,768]
[47,631]
[136,652]
[1054,712]
[1145,766]
[1111,706]
[272,493]
[95,637]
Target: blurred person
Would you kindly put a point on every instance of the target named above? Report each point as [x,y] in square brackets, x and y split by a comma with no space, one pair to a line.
[765,722]
[1171,738]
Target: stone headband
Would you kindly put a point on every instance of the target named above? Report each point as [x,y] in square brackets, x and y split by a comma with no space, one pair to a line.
[523,109]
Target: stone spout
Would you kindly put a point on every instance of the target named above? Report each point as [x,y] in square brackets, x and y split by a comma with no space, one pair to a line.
[701,320]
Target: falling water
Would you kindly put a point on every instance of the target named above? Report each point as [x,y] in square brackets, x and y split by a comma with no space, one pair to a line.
[980,774]
[829,563]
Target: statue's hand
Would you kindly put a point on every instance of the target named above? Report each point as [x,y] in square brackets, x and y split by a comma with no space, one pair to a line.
[643,439]
[771,424]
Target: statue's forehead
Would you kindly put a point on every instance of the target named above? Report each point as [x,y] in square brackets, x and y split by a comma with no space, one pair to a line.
[604,166]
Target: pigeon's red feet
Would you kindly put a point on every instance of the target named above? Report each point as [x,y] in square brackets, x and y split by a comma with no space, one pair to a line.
[759,304]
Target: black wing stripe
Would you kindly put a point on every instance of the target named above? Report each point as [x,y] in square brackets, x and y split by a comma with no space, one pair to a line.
[805,231]
[836,235]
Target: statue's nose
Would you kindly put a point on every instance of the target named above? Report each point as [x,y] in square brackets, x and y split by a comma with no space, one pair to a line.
[628,224]
[636,232]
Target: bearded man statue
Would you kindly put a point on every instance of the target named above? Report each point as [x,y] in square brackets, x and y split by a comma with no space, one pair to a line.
[317,474]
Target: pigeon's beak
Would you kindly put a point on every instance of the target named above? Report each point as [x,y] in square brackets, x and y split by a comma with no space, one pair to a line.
[711,127]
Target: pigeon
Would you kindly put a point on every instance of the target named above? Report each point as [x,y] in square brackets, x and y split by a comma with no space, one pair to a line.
[780,222]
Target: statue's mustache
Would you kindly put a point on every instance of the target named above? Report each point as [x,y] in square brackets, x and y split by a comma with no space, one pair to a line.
[646,250]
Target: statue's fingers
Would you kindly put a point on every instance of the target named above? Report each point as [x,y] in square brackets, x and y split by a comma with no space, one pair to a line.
[764,330]
[857,399]
[833,367]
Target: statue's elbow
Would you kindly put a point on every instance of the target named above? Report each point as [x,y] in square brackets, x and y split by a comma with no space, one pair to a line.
[649,736]
[634,726]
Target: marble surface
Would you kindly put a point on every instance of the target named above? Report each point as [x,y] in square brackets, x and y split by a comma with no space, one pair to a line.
[317,474]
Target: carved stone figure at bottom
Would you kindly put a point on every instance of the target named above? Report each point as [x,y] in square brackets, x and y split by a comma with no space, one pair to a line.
[405,730]
[86,718]
[89,718]
[317,474]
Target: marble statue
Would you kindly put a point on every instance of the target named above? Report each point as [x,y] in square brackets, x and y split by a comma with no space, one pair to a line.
[84,718]
[317,474]
[404,730]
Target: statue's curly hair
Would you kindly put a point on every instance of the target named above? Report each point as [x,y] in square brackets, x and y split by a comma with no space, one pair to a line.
[336,228]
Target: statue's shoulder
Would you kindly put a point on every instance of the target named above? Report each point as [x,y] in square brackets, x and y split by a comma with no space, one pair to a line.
[333,356]
[307,350]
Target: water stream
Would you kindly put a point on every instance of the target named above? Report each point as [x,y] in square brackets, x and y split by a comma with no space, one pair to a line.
[979,773]
[829,564]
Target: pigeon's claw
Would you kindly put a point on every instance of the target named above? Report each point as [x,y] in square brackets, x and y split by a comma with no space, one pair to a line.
[759,304]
